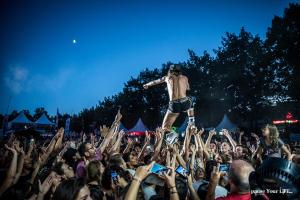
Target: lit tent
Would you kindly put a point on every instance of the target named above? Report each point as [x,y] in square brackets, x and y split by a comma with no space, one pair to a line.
[139,129]
[43,120]
[21,119]
[226,124]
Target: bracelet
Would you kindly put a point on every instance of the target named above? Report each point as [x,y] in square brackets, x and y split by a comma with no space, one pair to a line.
[172,187]
[173,192]
[137,179]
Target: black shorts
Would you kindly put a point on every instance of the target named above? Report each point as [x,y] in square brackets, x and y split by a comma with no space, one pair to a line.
[180,105]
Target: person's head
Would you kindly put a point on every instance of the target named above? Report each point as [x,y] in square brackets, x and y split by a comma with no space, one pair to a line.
[238,176]
[271,131]
[86,150]
[117,161]
[174,69]
[64,169]
[72,189]
[238,151]
[94,171]
[213,147]
[70,156]
[225,147]
[199,174]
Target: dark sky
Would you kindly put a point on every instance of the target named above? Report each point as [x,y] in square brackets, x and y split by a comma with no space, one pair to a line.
[71,54]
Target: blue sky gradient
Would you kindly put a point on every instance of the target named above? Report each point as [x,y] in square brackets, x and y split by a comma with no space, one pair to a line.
[42,67]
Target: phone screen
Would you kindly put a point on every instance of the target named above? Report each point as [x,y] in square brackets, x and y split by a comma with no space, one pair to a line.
[182,171]
[114,176]
[158,169]
[224,167]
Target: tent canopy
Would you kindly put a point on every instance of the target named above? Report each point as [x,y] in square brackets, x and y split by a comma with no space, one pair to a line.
[226,124]
[139,127]
[43,120]
[21,119]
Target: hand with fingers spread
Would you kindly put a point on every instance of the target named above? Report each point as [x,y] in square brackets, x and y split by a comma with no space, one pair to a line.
[216,174]
[212,132]
[45,186]
[142,172]
[193,148]
[170,178]
[12,149]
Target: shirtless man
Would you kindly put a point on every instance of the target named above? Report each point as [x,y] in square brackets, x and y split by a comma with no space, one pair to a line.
[177,84]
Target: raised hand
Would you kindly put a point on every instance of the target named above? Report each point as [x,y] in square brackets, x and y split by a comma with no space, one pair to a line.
[148,136]
[212,132]
[104,130]
[12,149]
[118,116]
[170,178]
[216,174]
[45,187]
[193,148]
[201,131]
[225,132]
[146,86]
[142,172]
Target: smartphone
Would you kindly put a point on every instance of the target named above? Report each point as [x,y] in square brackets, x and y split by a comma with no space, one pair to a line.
[171,138]
[224,167]
[32,140]
[114,176]
[182,171]
[158,169]
[220,133]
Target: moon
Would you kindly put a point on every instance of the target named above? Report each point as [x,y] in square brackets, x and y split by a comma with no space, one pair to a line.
[74,41]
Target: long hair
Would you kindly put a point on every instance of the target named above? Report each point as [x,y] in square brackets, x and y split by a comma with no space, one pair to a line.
[274,134]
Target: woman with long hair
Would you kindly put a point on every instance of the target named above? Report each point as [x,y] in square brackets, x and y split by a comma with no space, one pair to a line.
[271,145]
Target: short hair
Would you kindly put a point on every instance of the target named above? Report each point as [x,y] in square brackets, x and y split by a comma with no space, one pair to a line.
[239,176]
[68,189]
[93,171]
[82,148]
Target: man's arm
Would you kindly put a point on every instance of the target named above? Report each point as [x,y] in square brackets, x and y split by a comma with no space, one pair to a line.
[11,171]
[214,180]
[155,82]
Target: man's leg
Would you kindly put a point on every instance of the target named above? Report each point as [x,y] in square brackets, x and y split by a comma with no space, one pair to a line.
[190,113]
[169,119]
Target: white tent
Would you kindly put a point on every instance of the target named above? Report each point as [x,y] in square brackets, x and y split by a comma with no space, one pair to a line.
[226,124]
[138,129]
[20,119]
[43,120]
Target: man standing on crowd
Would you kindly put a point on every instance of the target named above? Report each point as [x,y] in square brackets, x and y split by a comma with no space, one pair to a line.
[177,84]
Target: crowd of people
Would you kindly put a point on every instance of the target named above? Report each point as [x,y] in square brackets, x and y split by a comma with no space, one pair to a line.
[112,165]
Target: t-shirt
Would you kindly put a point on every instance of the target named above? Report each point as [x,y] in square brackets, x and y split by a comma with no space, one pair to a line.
[232,196]
[269,151]
[80,169]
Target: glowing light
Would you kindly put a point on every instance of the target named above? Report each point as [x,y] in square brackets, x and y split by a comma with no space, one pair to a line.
[293,121]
